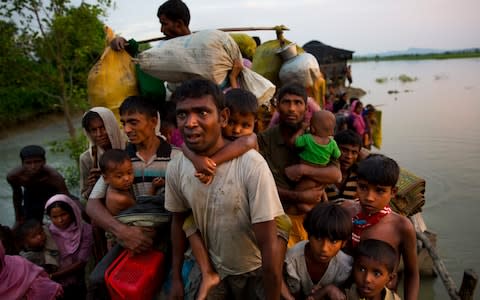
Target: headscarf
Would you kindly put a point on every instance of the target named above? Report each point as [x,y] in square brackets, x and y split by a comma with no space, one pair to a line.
[17,277]
[358,121]
[70,238]
[115,135]
[353,105]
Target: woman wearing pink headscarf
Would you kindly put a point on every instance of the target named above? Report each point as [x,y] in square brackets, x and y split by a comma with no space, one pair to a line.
[21,279]
[358,123]
[74,240]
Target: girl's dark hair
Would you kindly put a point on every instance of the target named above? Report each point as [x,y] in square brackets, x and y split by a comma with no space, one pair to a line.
[64,206]
[379,169]
[89,116]
[379,251]
[328,220]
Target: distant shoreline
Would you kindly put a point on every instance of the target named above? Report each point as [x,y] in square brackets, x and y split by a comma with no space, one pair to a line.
[444,55]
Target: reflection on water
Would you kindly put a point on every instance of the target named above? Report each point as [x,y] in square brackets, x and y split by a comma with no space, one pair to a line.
[433,130]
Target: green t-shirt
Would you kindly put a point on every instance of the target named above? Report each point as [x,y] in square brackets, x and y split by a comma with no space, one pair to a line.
[315,153]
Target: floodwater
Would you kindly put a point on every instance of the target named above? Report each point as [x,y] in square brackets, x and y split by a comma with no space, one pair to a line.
[431,127]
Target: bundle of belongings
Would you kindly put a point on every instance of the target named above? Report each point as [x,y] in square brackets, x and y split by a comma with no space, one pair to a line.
[411,194]
[207,54]
[112,78]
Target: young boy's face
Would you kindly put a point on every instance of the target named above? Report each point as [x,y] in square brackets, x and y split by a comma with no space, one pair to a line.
[120,176]
[36,238]
[349,155]
[324,249]
[239,125]
[374,197]
[370,276]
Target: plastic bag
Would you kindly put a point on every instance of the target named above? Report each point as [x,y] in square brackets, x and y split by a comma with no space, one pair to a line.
[112,78]
[261,87]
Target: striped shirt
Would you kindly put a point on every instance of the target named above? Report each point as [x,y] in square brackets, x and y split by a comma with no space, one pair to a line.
[347,189]
[144,171]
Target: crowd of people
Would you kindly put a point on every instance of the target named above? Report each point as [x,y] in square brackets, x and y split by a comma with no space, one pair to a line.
[296,211]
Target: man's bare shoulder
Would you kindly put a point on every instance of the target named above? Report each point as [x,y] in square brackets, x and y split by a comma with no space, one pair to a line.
[15,175]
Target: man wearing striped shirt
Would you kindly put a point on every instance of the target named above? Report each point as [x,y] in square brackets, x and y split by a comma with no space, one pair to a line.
[150,155]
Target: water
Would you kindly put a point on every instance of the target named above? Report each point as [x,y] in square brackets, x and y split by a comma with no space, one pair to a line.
[431,128]
[45,132]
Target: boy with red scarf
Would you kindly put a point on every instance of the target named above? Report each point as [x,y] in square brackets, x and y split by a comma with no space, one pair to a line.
[374,219]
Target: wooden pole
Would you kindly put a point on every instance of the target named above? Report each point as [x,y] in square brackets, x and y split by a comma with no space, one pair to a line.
[439,266]
[469,282]
[228,29]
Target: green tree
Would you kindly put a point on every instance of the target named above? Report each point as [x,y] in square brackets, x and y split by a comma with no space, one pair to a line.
[59,43]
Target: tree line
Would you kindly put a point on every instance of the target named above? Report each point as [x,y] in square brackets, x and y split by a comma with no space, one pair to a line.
[47,49]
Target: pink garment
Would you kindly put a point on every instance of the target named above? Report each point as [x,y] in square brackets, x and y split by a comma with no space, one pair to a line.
[247,63]
[329,106]
[312,107]
[75,242]
[357,119]
[21,279]
[176,139]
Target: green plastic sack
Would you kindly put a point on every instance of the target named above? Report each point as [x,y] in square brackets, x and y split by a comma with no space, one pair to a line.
[150,87]
[246,44]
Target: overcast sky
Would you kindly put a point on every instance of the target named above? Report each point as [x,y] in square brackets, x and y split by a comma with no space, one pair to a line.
[364,26]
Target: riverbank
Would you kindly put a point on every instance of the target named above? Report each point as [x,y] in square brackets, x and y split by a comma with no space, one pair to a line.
[444,55]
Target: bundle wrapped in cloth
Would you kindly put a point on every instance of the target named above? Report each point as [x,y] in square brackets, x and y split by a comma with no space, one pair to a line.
[208,54]
[112,78]
[411,194]
[302,68]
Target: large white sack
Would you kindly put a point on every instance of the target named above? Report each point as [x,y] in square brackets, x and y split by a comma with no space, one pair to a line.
[260,86]
[302,68]
[207,54]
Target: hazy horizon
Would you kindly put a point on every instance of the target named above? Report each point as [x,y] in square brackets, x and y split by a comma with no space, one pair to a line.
[372,26]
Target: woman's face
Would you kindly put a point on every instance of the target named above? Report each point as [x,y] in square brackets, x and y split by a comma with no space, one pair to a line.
[60,218]
[98,133]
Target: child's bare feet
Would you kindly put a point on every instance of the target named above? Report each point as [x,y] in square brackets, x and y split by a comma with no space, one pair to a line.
[209,281]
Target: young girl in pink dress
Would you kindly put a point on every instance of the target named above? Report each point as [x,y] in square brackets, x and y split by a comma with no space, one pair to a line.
[74,240]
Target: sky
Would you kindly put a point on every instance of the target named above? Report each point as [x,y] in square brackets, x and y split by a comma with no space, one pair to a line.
[363,26]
